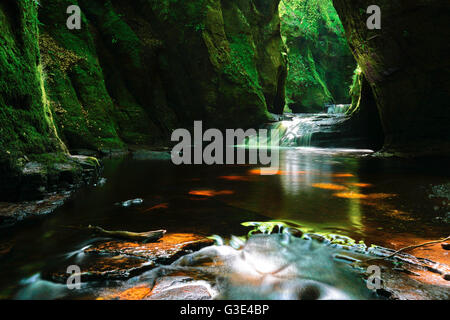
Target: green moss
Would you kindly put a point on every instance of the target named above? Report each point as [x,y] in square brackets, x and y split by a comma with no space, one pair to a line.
[320,61]
[26,125]
[243,60]
[80,102]
[355,90]
[190,13]
[125,78]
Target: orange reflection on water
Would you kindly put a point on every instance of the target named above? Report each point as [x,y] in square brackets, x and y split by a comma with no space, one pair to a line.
[355,195]
[158,206]
[258,171]
[197,199]
[350,195]
[380,195]
[329,186]
[342,175]
[235,178]
[270,171]
[210,193]
[360,185]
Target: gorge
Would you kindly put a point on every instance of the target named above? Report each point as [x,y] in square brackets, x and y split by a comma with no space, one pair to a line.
[86,118]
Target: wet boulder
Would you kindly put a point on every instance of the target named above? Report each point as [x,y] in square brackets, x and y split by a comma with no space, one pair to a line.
[280,266]
[119,260]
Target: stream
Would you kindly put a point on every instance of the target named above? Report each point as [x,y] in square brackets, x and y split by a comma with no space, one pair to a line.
[349,192]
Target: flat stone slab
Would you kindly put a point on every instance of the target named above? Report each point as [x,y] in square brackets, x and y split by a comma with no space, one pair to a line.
[151,155]
[185,292]
[179,287]
[120,260]
[11,212]
[167,249]
[105,268]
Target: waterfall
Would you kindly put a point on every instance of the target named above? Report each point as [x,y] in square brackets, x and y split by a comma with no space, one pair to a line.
[337,108]
[300,130]
[294,131]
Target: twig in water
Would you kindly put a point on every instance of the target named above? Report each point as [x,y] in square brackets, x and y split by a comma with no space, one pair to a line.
[409,248]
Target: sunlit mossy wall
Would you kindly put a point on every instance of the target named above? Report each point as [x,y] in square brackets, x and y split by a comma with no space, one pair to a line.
[135,71]
[321,64]
[138,70]
[26,124]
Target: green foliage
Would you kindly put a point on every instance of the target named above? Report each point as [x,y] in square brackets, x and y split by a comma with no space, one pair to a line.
[308,18]
[355,88]
[88,87]
[277,226]
[320,61]
[243,59]
[192,12]
[83,108]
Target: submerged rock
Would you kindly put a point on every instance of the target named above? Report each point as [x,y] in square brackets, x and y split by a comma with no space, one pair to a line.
[129,203]
[179,288]
[151,155]
[11,213]
[441,191]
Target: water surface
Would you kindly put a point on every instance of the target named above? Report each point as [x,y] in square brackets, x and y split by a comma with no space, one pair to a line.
[343,191]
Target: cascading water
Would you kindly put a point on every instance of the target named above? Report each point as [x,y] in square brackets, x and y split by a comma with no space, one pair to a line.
[337,108]
[298,130]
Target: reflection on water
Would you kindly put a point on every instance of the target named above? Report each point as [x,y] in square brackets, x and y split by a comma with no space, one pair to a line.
[326,190]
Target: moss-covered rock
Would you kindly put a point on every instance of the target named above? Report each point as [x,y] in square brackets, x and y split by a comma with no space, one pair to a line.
[407,68]
[27,130]
[221,61]
[75,83]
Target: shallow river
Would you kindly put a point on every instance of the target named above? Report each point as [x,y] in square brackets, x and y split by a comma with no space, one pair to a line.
[380,201]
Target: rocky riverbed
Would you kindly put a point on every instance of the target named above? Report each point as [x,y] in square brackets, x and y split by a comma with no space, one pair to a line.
[281,266]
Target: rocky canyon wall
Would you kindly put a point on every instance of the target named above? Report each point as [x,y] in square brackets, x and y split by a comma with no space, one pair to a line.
[407,67]
[135,71]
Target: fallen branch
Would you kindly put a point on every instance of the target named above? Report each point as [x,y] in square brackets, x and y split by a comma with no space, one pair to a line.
[410,248]
[148,236]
